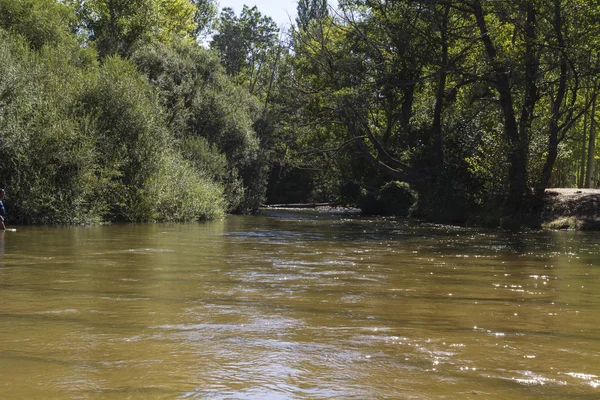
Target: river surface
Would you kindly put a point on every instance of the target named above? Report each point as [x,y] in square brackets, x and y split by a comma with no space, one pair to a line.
[293,305]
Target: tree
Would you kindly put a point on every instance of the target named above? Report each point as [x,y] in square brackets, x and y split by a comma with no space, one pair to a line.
[373,75]
[421,89]
[245,45]
[590,167]
[204,18]
[39,21]
[310,10]
[213,119]
[118,26]
[554,65]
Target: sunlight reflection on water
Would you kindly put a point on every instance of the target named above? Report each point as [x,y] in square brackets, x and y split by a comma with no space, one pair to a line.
[288,306]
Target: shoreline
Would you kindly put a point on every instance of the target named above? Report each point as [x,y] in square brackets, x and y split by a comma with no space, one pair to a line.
[564,208]
[577,209]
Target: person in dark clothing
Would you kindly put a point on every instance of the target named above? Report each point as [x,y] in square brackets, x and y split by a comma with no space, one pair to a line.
[2,211]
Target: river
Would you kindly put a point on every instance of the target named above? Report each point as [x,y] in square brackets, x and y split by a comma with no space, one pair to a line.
[298,305]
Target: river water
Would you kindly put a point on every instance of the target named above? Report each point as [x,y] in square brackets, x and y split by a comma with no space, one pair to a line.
[298,305]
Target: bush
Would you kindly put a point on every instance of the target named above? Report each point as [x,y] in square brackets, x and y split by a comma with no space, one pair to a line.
[211,116]
[47,152]
[86,144]
[393,198]
[148,178]
[131,136]
[183,195]
[396,198]
[40,22]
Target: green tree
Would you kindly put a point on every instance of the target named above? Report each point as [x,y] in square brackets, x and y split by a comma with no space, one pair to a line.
[245,45]
[47,151]
[205,17]
[310,10]
[39,21]
[118,26]
[421,89]
[370,77]
[212,118]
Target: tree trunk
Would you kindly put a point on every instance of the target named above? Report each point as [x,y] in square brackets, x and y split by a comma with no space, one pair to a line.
[518,141]
[592,145]
[408,98]
[581,179]
[438,151]
[554,128]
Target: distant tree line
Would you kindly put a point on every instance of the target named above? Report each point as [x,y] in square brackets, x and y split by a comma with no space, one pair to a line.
[171,110]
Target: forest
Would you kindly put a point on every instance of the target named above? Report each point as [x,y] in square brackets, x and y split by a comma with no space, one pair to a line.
[460,111]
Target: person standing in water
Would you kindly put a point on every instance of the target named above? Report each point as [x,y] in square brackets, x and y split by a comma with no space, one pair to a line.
[2,211]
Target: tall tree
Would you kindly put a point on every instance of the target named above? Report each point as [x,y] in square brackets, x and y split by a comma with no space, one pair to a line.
[206,13]
[386,75]
[245,44]
[468,96]
[118,26]
[310,10]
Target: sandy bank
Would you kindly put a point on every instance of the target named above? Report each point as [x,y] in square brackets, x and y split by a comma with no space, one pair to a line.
[572,209]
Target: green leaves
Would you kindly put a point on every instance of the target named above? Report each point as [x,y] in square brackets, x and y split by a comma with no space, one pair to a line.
[212,118]
[39,21]
[244,44]
[119,26]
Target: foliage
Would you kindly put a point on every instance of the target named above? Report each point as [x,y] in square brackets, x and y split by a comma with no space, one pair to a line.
[468,101]
[131,136]
[393,198]
[119,26]
[245,45]
[184,195]
[39,21]
[212,118]
[310,10]
[47,153]
[111,111]
[205,16]
[86,144]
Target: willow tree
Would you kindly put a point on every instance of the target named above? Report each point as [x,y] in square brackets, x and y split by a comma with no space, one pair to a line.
[39,21]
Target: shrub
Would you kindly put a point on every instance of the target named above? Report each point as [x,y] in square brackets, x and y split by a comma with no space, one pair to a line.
[183,195]
[86,144]
[40,22]
[211,116]
[48,155]
[393,198]
[131,137]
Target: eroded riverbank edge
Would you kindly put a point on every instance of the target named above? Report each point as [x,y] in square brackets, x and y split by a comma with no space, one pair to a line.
[564,208]
[571,209]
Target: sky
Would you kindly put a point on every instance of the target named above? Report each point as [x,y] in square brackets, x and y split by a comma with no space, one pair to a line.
[282,11]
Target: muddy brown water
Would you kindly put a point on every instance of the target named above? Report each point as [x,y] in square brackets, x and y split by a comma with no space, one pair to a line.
[298,305]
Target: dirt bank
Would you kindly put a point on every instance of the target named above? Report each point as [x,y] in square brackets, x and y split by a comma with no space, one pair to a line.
[572,209]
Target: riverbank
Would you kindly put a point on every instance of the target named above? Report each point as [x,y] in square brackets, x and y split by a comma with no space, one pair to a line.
[564,208]
[571,209]
[325,208]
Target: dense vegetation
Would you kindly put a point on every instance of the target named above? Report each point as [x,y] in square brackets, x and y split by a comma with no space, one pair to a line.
[167,110]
